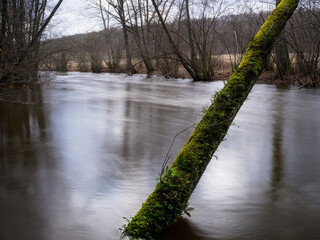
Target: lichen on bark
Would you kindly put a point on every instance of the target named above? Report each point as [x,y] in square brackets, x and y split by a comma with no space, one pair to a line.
[171,195]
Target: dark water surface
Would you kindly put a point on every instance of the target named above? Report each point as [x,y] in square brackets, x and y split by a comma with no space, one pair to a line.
[85,151]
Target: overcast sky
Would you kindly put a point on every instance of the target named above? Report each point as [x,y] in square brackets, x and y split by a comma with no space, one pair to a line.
[75,16]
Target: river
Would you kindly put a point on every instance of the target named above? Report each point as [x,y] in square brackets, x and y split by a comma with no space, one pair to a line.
[86,150]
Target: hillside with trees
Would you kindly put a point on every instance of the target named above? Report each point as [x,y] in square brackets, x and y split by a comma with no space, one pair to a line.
[206,44]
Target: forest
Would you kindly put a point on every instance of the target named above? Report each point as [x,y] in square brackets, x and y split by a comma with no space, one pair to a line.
[202,40]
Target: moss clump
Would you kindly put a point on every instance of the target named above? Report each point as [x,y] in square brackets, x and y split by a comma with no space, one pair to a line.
[171,195]
[167,202]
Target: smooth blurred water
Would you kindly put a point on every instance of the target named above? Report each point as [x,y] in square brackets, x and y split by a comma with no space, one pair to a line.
[84,152]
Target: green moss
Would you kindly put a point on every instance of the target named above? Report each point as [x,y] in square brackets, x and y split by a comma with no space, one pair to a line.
[167,202]
[171,195]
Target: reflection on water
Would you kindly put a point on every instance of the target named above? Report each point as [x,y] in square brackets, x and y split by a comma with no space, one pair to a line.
[277,158]
[184,229]
[22,125]
[85,151]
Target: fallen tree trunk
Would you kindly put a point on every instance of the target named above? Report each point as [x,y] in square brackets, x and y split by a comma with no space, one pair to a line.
[171,195]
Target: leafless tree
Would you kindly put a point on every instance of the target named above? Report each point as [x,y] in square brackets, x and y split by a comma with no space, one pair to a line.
[282,59]
[304,40]
[141,14]
[22,25]
[196,32]
[111,37]
[117,9]
[95,49]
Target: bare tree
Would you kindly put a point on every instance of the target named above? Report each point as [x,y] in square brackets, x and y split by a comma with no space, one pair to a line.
[111,37]
[236,31]
[56,54]
[195,51]
[118,10]
[95,49]
[304,39]
[282,59]
[140,16]
[23,23]
[170,197]
[114,47]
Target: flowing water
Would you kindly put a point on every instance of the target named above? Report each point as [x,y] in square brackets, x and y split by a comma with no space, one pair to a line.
[84,152]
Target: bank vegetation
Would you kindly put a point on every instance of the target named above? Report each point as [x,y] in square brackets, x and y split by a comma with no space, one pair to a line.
[203,40]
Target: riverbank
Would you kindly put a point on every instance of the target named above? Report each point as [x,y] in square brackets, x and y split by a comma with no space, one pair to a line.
[267,77]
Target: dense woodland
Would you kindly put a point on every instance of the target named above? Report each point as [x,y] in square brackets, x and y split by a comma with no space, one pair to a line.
[202,40]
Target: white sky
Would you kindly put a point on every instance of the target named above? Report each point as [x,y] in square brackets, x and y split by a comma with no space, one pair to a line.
[74,16]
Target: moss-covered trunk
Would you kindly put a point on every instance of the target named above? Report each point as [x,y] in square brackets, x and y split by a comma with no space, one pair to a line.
[172,193]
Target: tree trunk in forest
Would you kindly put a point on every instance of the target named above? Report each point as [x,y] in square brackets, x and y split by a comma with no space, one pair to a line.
[4,19]
[282,59]
[139,39]
[192,48]
[129,68]
[119,8]
[171,195]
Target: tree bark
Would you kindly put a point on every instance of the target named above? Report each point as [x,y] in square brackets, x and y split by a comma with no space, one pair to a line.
[139,38]
[130,69]
[3,37]
[129,66]
[171,195]
[282,59]
[192,48]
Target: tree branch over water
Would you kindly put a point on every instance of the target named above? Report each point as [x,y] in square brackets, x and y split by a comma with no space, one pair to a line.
[171,195]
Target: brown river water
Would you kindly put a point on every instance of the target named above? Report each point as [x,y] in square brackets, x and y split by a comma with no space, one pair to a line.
[86,150]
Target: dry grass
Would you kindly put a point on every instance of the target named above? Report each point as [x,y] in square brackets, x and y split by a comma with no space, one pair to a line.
[223,66]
